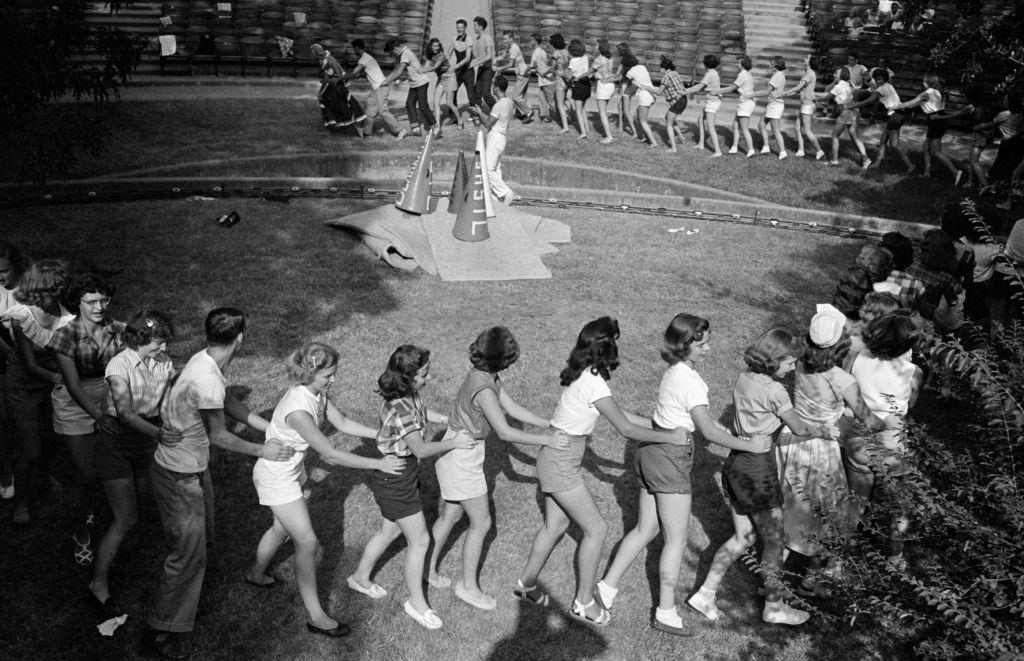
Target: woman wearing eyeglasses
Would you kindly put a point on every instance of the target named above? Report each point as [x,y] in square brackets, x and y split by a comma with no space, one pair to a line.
[83,349]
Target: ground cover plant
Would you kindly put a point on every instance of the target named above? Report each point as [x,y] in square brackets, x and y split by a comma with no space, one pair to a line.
[302,280]
[232,128]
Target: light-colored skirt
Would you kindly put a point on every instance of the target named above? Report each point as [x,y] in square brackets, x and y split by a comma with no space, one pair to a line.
[813,480]
[460,472]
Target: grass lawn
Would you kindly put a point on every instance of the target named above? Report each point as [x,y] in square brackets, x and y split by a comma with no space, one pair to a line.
[150,134]
[301,280]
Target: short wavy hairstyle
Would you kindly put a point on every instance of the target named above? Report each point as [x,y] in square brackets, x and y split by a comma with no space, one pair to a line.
[43,281]
[595,350]
[682,332]
[312,357]
[818,359]
[767,352]
[224,325]
[877,303]
[146,326]
[889,336]
[557,41]
[494,350]
[82,284]
[397,379]
[576,48]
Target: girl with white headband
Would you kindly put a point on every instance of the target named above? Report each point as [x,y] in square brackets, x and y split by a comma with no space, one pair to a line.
[813,479]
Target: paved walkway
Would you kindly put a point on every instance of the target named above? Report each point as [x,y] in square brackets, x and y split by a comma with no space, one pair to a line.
[179,88]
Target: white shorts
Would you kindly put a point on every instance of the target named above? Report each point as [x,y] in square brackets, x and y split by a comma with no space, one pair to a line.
[605,91]
[807,108]
[644,98]
[460,473]
[277,489]
[774,110]
[712,104]
[745,108]
[69,419]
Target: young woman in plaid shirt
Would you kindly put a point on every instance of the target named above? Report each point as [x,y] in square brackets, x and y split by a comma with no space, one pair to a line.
[403,423]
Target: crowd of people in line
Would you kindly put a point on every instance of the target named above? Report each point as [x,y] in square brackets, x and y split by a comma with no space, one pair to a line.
[800,467]
[567,76]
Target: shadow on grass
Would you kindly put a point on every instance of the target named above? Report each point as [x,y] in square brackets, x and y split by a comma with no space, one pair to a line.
[548,633]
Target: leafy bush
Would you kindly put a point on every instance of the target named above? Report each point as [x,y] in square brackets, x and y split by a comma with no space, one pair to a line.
[961,593]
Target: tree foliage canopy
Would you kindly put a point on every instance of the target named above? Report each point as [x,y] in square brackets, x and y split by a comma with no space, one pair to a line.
[51,96]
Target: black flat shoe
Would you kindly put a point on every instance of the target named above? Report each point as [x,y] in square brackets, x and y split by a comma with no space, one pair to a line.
[106,609]
[164,645]
[337,632]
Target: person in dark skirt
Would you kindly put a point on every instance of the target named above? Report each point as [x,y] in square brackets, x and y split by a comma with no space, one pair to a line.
[337,106]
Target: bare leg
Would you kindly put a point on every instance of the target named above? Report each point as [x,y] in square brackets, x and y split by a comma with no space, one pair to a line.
[381,540]
[556,521]
[450,515]
[777,130]
[581,118]
[674,512]
[700,130]
[123,504]
[414,527]
[936,148]
[293,517]
[670,128]
[711,118]
[579,505]
[479,513]
[762,125]
[646,529]
[602,111]
[642,118]
[808,128]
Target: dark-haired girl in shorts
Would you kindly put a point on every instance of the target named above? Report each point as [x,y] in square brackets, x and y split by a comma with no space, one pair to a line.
[750,477]
[585,398]
[933,105]
[887,95]
[481,405]
[137,378]
[403,423]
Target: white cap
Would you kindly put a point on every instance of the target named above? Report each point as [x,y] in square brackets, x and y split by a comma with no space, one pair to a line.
[827,325]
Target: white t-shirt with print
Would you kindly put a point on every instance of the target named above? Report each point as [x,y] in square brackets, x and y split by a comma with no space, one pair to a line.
[575,413]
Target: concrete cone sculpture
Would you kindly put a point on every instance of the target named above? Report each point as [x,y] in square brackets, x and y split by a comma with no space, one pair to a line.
[415,194]
[481,152]
[471,219]
[458,184]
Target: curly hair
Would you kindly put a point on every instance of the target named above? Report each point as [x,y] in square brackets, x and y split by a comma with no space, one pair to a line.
[767,352]
[683,331]
[821,359]
[557,41]
[595,350]
[576,48]
[397,379]
[17,262]
[43,281]
[876,304]
[146,326]
[711,61]
[312,357]
[889,336]
[494,350]
[82,284]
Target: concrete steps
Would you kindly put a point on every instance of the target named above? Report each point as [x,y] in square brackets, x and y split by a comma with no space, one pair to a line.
[776,28]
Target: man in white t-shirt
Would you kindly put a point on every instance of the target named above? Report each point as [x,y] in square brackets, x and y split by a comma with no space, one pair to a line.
[541,65]
[377,103]
[514,61]
[497,129]
[417,105]
[195,407]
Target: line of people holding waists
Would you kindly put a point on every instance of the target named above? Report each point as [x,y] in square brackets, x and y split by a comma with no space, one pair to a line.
[134,424]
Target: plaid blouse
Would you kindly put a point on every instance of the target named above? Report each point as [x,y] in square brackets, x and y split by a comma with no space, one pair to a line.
[91,359]
[910,288]
[937,285]
[399,418]
[672,85]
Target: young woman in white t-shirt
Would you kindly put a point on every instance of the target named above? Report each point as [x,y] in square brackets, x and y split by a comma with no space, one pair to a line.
[711,84]
[933,105]
[640,77]
[773,110]
[663,470]
[296,423]
[585,398]
[887,95]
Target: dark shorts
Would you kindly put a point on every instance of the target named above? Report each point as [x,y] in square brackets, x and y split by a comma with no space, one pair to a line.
[751,481]
[125,455]
[580,90]
[663,468]
[895,121]
[398,496]
[679,105]
[936,128]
